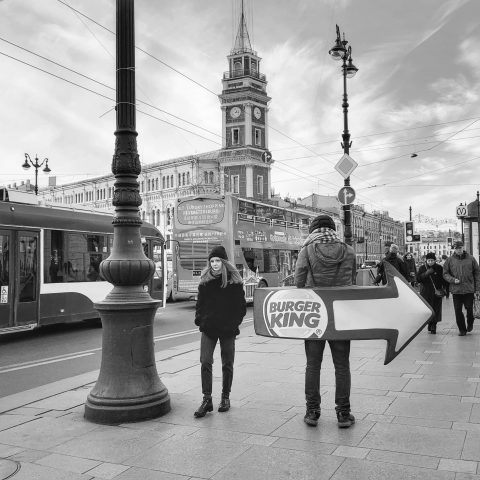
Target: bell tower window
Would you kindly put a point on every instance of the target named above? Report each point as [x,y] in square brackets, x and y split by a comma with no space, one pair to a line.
[235,184]
[258,137]
[235,136]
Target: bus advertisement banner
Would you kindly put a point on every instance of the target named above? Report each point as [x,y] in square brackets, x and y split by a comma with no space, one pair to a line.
[276,237]
[205,211]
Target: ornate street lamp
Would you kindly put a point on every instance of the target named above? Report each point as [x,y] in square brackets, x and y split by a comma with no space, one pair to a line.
[36,165]
[340,52]
[128,388]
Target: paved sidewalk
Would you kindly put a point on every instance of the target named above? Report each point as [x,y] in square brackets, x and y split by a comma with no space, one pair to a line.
[417,418]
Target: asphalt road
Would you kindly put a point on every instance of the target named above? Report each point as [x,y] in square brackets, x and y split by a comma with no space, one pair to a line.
[35,358]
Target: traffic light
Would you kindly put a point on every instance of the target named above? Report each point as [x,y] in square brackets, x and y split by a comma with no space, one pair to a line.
[408,232]
[449,241]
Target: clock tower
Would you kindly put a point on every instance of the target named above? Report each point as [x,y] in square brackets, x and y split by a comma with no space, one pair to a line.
[245,162]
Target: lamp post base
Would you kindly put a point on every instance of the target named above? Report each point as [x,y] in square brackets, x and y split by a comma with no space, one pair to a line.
[128,388]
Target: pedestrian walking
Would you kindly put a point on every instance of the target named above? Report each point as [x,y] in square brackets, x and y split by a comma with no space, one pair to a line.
[430,277]
[219,311]
[447,285]
[461,271]
[395,260]
[410,268]
[325,261]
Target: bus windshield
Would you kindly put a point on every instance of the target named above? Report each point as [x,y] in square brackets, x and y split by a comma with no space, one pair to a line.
[261,240]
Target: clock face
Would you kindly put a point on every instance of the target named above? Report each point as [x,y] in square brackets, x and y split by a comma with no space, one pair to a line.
[257,112]
[235,112]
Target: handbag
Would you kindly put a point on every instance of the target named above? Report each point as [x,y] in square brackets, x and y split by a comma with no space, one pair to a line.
[439,292]
[476,306]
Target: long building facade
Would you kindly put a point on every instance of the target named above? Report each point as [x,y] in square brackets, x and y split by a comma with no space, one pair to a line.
[241,167]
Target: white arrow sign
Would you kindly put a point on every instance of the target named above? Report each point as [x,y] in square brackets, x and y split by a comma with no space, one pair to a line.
[395,313]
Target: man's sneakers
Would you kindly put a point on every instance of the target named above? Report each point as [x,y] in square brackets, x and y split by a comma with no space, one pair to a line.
[345,419]
[311,417]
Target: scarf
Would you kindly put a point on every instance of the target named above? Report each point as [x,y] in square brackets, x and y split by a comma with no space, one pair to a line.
[322,235]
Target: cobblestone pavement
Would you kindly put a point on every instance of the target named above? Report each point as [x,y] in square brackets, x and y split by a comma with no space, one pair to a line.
[417,418]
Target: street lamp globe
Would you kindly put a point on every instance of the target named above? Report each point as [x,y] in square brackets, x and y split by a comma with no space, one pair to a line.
[350,69]
[338,51]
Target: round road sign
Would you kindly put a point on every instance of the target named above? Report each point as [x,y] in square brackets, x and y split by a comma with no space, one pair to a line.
[346,195]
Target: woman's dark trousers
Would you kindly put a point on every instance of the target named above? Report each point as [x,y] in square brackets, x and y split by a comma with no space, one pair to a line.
[227,352]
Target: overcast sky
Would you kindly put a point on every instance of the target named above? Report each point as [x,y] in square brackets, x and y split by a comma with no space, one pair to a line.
[417,91]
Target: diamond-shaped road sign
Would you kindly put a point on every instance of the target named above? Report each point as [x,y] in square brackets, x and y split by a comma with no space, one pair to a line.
[346,165]
[394,312]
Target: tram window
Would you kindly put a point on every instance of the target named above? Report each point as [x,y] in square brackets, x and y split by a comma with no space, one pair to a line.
[53,257]
[27,280]
[4,255]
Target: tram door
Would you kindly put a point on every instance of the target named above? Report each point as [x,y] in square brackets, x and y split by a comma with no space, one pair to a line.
[6,279]
[26,269]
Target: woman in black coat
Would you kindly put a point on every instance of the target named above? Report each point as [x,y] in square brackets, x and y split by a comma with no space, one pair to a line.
[430,274]
[220,309]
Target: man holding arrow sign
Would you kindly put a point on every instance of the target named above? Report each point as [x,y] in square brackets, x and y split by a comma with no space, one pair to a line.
[325,260]
[330,308]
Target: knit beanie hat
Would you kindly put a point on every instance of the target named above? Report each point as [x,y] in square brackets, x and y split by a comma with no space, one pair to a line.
[322,221]
[219,252]
[430,255]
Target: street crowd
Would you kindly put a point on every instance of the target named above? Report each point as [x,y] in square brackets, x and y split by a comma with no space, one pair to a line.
[324,261]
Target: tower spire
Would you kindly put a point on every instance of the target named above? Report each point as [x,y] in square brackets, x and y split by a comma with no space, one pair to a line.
[242,41]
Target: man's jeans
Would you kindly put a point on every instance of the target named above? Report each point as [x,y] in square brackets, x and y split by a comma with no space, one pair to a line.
[340,354]
[463,300]
[227,352]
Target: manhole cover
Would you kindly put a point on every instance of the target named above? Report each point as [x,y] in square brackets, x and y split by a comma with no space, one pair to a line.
[8,468]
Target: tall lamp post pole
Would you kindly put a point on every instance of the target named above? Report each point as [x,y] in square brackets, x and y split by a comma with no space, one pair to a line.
[36,165]
[478,222]
[340,52]
[128,388]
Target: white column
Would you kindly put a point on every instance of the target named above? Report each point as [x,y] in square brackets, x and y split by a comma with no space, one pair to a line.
[249,180]
[248,124]
[224,126]
[266,131]
[269,181]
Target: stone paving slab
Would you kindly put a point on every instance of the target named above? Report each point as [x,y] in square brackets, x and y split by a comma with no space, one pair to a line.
[417,418]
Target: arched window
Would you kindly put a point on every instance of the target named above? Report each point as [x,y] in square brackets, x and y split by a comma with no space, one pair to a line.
[171,181]
[157,218]
[188,178]
[156,183]
[205,176]
[211,177]
[163,183]
[168,182]
[183,178]
[179,179]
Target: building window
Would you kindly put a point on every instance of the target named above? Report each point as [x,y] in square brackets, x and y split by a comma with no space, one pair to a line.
[260,184]
[235,184]
[235,136]
[183,178]
[168,182]
[163,183]
[188,178]
[179,179]
[258,137]
[171,181]
[210,177]
[156,183]
[205,177]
